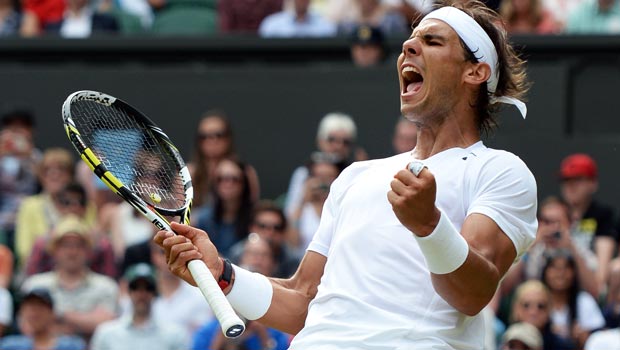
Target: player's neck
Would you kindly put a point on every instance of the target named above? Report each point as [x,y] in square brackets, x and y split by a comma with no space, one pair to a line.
[449,132]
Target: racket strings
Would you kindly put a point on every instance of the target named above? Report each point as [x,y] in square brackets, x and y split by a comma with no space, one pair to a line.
[132,152]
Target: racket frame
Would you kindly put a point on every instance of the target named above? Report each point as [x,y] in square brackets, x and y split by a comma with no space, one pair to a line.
[232,325]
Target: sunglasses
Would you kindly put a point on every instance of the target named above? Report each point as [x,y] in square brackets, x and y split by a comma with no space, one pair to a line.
[228,178]
[343,140]
[264,226]
[216,135]
[539,306]
[71,202]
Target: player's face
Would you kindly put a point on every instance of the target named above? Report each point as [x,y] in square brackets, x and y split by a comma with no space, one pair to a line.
[430,70]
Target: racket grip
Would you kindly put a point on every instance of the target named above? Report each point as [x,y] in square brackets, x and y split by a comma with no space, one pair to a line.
[232,325]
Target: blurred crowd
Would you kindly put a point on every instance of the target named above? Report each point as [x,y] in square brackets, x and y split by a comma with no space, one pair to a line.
[283,18]
[78,268]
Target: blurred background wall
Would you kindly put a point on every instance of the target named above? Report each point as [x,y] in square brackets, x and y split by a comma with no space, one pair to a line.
[276,91]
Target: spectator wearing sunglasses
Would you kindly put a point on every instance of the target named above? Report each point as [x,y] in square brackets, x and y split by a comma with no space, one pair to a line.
[532,304]
[226,220]
[140,329]
[269,223]
[73,200]
[214,142]
[336,136]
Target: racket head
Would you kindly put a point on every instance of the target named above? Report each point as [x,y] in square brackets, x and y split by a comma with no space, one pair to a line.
[130,154]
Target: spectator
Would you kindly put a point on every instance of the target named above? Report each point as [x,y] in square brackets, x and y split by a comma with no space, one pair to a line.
[269,222]
[574,313]
[522,336]
[323,169]
[15,22]
[81,21]
[410,9]
[527,17]
[72,200]
[611,310]
[214,142]
[140,330]
[227,221]
[554,224]
[245,16]
[128,227]
[183,17]
[608,338]
[37,214]
[177,302]
[37,325]
[367,46]
[593,227]
[45,11]
[299,21]
[375,14]
[19,159]
[595,17]
[405,136]
[257,256]
[336,136]
[532,304]
[6,311]
[83,299]
[6,266]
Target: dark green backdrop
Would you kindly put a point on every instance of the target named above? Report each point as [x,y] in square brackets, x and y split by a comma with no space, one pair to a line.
[277,90]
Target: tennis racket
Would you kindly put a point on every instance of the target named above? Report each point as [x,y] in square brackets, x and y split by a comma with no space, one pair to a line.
[137,161]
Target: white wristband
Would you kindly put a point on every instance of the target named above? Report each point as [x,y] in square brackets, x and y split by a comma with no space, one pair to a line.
[445,249]
[250,294]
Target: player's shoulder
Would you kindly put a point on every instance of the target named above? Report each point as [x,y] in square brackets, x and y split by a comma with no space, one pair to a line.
[501,160]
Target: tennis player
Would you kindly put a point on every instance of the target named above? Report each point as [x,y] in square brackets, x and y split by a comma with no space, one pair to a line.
[412,247]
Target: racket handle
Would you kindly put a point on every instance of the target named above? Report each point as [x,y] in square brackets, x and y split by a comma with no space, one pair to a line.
[232,325]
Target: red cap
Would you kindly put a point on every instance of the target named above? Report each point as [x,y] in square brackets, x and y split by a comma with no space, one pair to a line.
[578,165]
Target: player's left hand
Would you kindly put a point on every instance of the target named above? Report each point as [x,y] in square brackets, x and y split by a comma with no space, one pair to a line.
[413,200]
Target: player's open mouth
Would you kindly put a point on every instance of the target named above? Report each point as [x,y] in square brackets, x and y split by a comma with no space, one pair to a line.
[412,80]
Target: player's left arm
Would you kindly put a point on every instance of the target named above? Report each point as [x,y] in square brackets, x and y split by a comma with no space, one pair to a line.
[491,253]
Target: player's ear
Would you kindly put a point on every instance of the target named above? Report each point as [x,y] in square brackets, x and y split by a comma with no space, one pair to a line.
[477,73]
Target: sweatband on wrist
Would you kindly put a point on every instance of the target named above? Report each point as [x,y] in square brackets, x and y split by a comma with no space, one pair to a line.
[445,250]
[250,294]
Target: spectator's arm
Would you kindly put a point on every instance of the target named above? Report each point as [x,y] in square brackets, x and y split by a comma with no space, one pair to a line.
[604,247]
[86,322]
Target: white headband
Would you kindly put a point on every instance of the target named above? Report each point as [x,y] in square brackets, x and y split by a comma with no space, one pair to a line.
[480,44]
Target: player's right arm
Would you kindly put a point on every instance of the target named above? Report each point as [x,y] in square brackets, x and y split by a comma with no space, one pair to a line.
[289,304]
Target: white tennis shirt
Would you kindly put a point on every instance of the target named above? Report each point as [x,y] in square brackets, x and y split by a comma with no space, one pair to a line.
[376,291]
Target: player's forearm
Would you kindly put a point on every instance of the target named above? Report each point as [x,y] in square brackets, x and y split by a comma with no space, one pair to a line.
[469,288]
[289,307]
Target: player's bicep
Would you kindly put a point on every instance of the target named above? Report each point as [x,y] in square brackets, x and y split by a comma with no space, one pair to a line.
[487,238]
